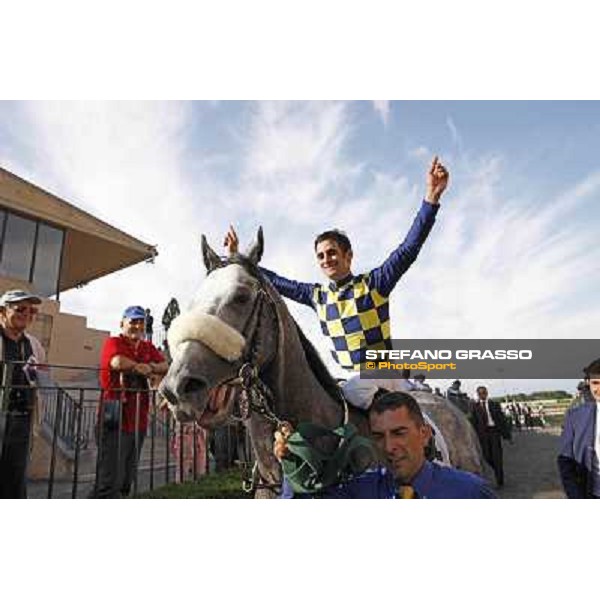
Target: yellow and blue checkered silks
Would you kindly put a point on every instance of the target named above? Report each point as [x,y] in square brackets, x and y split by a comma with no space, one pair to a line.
[353,316]
[355,313]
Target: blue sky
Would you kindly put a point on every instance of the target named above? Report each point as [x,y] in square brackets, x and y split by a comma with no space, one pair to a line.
[513,253]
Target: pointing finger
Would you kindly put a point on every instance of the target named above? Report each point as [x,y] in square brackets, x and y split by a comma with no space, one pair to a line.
[434,164]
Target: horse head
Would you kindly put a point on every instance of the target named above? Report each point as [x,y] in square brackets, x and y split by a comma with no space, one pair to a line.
[230,323]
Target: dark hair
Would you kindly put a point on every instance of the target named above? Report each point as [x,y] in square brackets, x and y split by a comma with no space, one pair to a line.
[592,369]
[385,400]
[481,387]
[337,236]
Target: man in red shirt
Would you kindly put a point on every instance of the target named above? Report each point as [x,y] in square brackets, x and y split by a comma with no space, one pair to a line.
[126,363]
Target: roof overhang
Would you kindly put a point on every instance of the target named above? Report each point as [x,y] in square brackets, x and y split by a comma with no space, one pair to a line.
[92,248]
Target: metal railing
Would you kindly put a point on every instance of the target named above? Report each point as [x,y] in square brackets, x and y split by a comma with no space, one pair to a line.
[70,441]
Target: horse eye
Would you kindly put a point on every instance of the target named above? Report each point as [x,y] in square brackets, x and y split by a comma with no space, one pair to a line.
[241,297]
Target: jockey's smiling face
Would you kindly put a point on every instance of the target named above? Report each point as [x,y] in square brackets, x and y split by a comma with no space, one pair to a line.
[333,260]
[401,439]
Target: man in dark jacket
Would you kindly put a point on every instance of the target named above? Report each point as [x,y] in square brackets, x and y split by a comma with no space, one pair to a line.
[580,443]
[18,349]
[491,426]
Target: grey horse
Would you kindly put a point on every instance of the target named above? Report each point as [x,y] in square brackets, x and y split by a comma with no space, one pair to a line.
[238,331]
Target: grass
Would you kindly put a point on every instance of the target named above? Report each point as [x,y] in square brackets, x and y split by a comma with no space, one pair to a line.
[227,484]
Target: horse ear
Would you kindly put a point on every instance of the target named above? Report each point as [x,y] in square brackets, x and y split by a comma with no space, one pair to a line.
[255,253]
[210,257]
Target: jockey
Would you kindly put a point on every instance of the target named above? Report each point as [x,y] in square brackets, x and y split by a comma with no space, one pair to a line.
[354,309]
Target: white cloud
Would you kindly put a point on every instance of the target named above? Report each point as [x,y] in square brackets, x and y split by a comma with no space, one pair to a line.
[122,162]
[292,159]
[382,108]
[494,268]
[494,265]
[456,138]
[420,152]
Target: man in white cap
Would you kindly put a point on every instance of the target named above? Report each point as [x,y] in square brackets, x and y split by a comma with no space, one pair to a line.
[18,309]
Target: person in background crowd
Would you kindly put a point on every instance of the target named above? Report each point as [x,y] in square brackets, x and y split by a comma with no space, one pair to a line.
[420,385]
[583,393]
[491,426]
[188,446]
[126,363]
[541,414]
[518,412]
[458,397]
[19,351]
[578,457]
[149,325]
[405,384]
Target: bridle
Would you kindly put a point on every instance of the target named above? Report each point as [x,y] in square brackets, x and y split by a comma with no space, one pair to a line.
[249,367]
[256,396]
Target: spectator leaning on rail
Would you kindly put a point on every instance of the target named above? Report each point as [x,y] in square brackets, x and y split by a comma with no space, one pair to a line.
[18,399]
[354,309]
[126,363]
[579,454]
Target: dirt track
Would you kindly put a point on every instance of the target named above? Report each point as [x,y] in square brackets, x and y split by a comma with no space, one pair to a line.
[530,465]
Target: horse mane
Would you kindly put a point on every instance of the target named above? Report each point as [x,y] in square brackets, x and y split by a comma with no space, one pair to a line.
[320,370]
[318,367]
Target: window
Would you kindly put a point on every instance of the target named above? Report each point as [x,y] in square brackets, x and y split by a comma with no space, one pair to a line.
[17,247]
[47,260]
[31,251]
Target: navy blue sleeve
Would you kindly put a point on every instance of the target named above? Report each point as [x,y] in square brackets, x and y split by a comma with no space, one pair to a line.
[571,477]
[485,492]
[385,277]
[294,290]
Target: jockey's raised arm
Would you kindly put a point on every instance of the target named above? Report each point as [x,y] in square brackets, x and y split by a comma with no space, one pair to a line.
[354,309]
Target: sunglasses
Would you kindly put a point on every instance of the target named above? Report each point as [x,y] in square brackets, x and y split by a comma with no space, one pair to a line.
[24,309]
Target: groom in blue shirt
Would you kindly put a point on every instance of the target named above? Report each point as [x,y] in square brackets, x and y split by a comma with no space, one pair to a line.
[401,434]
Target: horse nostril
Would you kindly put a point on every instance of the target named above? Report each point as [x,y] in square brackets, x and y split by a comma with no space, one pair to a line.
[193,385]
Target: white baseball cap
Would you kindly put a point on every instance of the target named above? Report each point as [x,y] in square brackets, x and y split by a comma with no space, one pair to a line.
[12,296]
